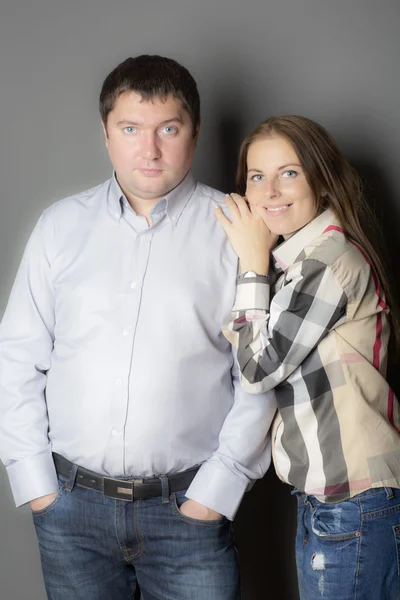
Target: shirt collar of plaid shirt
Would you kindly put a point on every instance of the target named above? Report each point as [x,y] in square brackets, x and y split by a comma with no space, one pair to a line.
[286,253]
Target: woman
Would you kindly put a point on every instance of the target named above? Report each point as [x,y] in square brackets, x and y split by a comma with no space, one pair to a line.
[311,322]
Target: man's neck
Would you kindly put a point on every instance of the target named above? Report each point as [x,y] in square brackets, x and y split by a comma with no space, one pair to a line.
[141,206]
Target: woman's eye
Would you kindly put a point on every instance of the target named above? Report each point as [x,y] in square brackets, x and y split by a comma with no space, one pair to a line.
[256,177]
[291,174]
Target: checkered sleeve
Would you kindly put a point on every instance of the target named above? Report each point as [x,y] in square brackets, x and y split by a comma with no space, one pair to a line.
[274,337]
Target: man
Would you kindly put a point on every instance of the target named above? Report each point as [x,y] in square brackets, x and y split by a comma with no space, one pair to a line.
[122,420]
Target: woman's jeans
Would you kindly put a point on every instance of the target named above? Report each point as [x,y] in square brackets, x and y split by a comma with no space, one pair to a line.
[97,548]
[349,550]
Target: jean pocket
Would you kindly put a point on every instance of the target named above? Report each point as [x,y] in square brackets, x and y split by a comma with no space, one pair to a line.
[396,531]
[176,501]
[44,511]
[336,522]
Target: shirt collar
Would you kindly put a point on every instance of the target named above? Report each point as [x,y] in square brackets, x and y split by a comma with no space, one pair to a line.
[114,198]
[178,197]
[287,252]
[174,202]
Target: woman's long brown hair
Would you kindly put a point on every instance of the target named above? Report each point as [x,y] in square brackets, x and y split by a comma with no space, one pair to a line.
[335,185]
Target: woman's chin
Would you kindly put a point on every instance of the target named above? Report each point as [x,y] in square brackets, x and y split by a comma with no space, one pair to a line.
[282,232]
[279,231]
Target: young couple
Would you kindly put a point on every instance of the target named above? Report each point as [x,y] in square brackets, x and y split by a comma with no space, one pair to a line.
[122,419]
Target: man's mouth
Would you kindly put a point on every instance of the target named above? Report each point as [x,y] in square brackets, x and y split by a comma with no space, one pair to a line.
[150,172]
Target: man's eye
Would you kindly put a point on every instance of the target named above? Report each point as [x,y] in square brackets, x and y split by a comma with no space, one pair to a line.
[130,129]
[169,129]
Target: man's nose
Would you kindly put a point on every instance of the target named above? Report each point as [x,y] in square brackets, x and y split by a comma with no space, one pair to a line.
[150,147]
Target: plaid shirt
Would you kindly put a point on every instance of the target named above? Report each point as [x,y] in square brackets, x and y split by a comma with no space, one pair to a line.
[317,338]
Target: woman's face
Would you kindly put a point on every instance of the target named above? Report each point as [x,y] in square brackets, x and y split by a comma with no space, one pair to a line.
[277,186]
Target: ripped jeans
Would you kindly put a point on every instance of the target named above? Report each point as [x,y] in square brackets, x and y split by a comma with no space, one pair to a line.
[349,550]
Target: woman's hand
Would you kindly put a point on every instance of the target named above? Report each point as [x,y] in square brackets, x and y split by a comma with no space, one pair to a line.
[250,237]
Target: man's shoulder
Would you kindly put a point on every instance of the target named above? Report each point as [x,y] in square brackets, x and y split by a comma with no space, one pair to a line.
[211,194]
[77,204]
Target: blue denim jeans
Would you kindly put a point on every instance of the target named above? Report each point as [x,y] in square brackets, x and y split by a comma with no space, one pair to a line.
[96,548]
[349,550]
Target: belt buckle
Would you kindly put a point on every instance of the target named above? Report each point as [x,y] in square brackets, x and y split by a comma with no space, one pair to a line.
[119,489]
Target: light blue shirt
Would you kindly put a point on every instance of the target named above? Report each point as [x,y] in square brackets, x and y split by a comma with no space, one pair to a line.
[111,351]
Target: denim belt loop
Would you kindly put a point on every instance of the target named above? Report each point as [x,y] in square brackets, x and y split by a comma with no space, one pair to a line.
[389,493]
[164,489]
[71,479]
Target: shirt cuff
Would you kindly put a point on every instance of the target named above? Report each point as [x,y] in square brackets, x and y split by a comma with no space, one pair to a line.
[218,488]
[33,477]
[252,294]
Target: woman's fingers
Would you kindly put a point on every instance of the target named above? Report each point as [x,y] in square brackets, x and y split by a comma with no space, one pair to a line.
[240,202]
[232,206]
[225,222]
[249,236]
[256,213]
[260,213]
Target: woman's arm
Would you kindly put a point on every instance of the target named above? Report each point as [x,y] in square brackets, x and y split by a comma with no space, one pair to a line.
[273,337]
[272,341]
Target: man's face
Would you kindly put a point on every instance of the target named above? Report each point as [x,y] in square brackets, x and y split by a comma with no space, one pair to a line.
[150,144]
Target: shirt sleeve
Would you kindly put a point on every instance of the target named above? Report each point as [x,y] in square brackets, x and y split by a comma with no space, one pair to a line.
[26,343]
[273,339]
[243,453]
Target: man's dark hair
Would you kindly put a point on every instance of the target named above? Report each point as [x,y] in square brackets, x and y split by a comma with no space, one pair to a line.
[151,77]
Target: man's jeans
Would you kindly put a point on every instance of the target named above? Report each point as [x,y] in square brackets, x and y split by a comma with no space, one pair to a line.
[96,548]
[349,550]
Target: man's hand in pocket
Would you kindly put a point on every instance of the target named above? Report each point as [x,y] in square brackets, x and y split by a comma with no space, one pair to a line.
[42,502]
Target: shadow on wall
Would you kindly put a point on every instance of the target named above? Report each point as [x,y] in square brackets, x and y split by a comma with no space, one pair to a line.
[230,137]
[265,530]
[383,201]
[231,129]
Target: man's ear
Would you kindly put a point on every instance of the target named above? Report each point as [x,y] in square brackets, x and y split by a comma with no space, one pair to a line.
[105,133]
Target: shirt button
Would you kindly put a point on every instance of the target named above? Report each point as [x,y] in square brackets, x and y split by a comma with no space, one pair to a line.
[118,381]
[115,432]
[125,332]
[133,284]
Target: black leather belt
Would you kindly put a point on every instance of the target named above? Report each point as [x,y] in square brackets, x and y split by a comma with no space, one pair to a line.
[123,489]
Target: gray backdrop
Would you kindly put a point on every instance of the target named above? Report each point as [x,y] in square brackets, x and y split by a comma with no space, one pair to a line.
[335,62]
